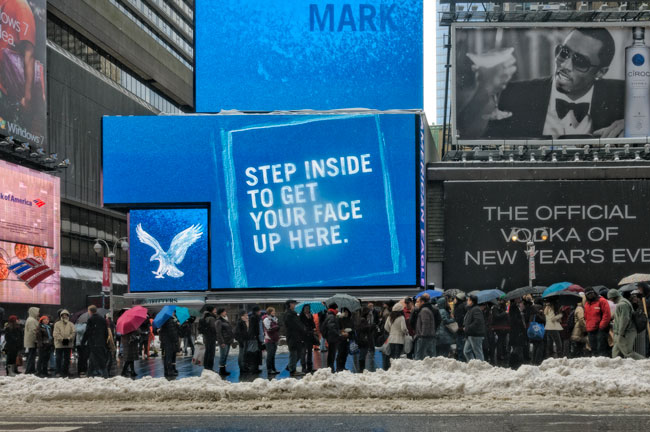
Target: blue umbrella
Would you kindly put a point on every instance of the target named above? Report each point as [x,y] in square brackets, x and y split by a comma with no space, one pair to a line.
[314,306]
[182,314]
[489,295]
[164,315]
[560,286]
[432,293]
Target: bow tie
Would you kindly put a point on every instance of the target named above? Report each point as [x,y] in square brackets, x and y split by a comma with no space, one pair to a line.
[563,107]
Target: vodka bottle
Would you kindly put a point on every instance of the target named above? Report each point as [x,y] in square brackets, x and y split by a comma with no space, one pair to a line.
[637,86]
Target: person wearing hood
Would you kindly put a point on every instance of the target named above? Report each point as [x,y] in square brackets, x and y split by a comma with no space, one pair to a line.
[460,309]
[29,339]
[331,331]
[397,332]
[444,337]
[597,318]
[295,337]
[624,327]
[131,351]
[44,342]
[225,338]
[475,330]
[64,333]
[425,329]
[13,343]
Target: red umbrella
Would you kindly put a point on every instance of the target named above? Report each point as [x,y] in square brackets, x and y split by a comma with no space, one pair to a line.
[576,288]
[131,320]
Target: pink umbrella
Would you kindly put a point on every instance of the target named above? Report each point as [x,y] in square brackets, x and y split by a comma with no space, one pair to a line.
[576,288]
[131,320]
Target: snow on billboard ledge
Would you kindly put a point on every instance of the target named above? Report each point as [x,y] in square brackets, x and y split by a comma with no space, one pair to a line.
[439,378]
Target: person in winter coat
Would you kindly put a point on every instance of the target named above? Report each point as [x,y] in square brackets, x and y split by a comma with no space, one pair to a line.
[225,338]
[256,329]
[445,338]
[597,318]
[624,327]
[208,327]
[475,330]
[295,337]
[460,310]
[130,353]
[425,329]
[13,344]
[307,320]
[29,339]
[397,331]
[331,332]
[169,344]
[346,324]
[517,336]
[365,339]
[271,338]
[95,338]
[45,343]
[553,328]
[82,350]
[501,328]
[579,333]
[64,334]
[242,335]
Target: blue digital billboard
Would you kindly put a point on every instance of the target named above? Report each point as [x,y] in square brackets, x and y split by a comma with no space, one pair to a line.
[317,54]
[168,250]
[295,200]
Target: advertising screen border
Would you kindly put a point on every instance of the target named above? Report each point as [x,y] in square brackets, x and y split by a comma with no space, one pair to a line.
[524,25]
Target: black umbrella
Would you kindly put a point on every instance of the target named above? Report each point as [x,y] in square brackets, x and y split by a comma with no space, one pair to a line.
[452,292]
[564,298]
[520,292]
[627,288]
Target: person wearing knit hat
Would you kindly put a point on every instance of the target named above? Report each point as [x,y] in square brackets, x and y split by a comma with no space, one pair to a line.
[44,343]
[64,334]
[624,327]
[397,331]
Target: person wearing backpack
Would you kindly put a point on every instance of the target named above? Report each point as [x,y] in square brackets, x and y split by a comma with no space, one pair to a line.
[624,327]
[208,328]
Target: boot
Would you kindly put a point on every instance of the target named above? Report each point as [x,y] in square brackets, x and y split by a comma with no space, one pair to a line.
[223,372]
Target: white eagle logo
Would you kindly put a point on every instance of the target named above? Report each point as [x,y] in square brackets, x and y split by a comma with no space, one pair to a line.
[176,253]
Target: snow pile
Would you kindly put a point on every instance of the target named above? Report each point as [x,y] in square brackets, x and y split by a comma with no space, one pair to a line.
[439,378]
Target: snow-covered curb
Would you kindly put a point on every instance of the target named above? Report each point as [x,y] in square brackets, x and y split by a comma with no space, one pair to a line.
[436,380]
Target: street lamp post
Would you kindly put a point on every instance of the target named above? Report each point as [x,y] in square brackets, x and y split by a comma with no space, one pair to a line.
[529,238]
[99,249]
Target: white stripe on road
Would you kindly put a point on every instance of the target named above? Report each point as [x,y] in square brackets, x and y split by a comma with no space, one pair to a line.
[45,429]
[13,423]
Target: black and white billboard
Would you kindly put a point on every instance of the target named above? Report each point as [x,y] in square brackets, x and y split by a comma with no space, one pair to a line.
[551,81]
[598,232]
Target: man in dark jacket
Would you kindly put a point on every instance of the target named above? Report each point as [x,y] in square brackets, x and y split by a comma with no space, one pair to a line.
[425,329]
[295,336]
[331,331]
[169,344]
[225,337]
[209,331]
[256,333]
[95,338]
[475,330]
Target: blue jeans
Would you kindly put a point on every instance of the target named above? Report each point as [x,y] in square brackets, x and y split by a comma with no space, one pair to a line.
[425,347]
[474,348]
[223,355]
[460,345]
[295,354]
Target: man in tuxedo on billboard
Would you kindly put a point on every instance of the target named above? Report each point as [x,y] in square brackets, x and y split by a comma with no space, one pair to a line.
[575,101]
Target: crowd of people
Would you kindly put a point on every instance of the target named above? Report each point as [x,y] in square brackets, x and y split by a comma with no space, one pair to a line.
[504,333]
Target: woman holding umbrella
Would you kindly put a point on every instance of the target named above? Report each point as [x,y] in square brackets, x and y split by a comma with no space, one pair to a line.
[130,345]
[553,329]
